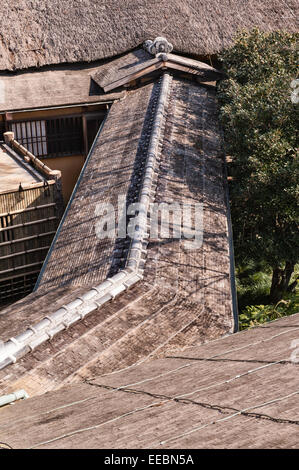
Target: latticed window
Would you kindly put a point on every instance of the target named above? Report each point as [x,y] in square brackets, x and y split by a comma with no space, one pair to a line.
[53,137]
[32,135]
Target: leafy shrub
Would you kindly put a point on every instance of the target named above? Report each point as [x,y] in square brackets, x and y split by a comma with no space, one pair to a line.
[254,315]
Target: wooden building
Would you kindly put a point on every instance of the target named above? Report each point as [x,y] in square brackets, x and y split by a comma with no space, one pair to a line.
[31,206]
[58,121]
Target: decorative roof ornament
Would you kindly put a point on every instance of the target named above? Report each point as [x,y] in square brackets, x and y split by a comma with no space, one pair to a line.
[160,47]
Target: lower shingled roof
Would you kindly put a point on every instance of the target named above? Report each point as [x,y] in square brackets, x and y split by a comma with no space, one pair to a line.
[241,391]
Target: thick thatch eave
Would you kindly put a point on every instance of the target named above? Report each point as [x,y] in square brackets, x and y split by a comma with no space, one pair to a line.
[34,33]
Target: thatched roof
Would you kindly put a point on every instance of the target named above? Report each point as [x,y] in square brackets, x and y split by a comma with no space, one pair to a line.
[240,391]
[35,33]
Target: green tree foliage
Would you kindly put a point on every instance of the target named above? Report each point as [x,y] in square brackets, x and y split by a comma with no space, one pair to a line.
[253,285]
[260,124]
[254,315]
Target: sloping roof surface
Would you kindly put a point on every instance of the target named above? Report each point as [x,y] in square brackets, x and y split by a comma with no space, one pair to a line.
[185,296]
[79,257]
[122,66]
[38,32]
[14,171]
[241,391]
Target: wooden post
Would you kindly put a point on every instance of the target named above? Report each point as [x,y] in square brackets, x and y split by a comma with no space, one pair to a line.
[85,135]
[8,137]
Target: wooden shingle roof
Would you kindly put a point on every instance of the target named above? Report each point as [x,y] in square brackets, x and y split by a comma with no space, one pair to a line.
[183,298]
[52,87]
